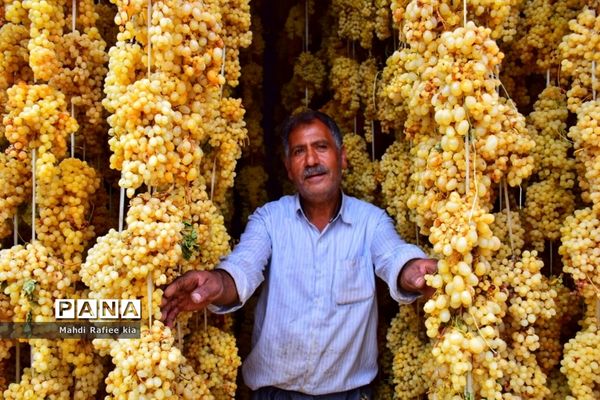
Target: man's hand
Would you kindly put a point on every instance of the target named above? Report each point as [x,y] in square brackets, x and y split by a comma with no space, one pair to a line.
[192,291]
[412,277]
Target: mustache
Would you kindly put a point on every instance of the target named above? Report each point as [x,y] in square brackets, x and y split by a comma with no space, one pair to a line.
[316,170]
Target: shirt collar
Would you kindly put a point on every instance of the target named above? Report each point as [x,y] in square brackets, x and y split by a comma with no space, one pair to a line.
[343,213]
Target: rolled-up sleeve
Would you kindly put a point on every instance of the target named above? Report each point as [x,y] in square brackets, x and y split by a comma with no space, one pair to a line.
[247,261]
[389,254]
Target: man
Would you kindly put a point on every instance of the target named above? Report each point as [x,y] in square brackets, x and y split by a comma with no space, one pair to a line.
[318,253]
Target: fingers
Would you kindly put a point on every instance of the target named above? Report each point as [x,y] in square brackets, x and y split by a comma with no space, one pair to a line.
[427,266]
[414,275]
[170,317]
[184,283]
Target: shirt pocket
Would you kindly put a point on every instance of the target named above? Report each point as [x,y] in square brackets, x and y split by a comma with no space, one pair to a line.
[353,280]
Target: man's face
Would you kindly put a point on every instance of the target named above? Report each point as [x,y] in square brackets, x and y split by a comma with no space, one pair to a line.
[314,163]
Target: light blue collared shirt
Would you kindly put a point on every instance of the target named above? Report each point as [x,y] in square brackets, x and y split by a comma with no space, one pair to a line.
[316,318]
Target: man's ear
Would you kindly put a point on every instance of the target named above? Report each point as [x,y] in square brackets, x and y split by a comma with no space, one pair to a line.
[344,159]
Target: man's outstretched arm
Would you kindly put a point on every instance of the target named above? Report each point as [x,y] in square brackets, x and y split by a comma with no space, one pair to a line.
[195,290]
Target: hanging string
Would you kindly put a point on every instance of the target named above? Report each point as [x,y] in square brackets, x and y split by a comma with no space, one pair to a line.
[520,197]
[551,251]
[18,346]
[509,219]
[548,77]
[467,157]
[373,140]
[594,80]
[33,200]
[15,229]
[18,362]
[223,69]
[306,25]
[149,281]
[74,19]
[121,208]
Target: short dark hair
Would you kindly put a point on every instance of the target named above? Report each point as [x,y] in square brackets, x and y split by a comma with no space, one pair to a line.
[306,117]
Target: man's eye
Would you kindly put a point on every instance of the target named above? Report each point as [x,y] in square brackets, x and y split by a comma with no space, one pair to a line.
[297,152]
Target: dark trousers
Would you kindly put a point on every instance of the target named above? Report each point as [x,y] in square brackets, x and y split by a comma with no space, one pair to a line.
[273,393]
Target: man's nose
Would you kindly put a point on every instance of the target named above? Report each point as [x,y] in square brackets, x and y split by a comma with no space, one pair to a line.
[311,157]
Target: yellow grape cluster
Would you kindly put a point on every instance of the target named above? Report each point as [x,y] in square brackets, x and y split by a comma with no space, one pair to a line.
[65,207]
[208,224]
[5,348]
[521,375]
[359,178]
[541,30]
[235,20]
[15,175]
[306,83]
[33,278]
[87,367]
[549,199]
[212,352]
[14,12]
[566,303]
[227,134]
[382,27]
[149,141]
[461,354]
[589,294]
[586,138]
[119,263]
[410,352]
[395,166]
[467,105]
[13,61]
[395,86]
[367,72]
[577,51]
[47,24]
[356,20]
[513,239]
[37,119]
[86,15]
[558,385]
[547,125]
[581,364]
[81,78]
[162,115]
[47,378]
[295,22]
[580,243]
[345,83]
[459,228]
[151,367]
[545,210]
[500,16]
[531,297]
